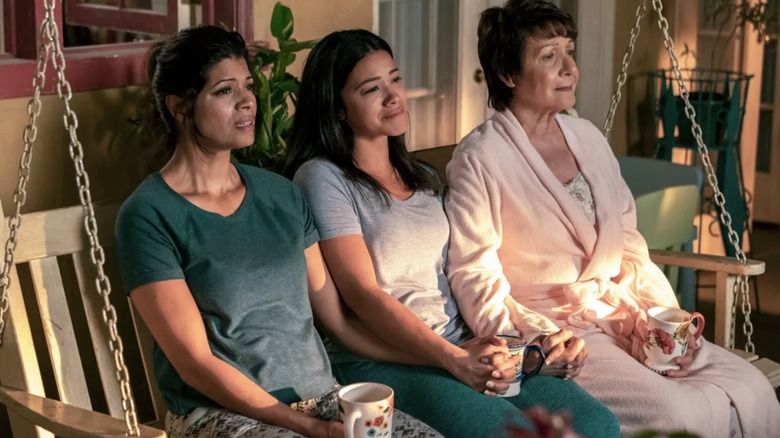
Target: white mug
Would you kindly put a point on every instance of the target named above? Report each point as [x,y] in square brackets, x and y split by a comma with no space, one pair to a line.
[366,409]
[668,330]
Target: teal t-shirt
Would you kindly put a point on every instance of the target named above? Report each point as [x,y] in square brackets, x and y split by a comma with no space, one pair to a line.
[247,273]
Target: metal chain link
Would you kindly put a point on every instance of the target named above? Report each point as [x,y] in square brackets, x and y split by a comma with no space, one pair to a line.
[50,45]
[740,290]
[20,194]
[621,80]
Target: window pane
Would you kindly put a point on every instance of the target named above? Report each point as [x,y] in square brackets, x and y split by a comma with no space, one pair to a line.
[764,152]
[114,3]
[98,22]
[159,6]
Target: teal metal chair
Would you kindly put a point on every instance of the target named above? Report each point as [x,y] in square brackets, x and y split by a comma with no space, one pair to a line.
[719,98]
[667,200]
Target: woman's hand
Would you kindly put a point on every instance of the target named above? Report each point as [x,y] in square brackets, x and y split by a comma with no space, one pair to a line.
[328,429]
[684,361]
[565,354]
[484,365]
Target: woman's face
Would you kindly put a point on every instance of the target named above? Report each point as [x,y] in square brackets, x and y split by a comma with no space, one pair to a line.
[549,77]
[375,98]
[225,107]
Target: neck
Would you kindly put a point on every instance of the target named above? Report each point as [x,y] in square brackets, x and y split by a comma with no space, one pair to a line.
[191,171]
[373,157]
[535,123]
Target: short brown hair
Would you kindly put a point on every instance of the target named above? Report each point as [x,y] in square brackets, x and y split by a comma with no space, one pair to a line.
[502,35]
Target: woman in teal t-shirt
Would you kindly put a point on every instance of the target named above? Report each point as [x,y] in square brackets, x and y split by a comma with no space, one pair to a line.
[222,262]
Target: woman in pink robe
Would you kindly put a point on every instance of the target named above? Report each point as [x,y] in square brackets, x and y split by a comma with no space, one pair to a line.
[544,239]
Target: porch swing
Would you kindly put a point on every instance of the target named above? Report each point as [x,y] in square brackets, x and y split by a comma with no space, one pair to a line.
[731,281]
[62,403]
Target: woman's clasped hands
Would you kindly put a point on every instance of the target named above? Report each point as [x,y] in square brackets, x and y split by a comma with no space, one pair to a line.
[485,365]
[565,354]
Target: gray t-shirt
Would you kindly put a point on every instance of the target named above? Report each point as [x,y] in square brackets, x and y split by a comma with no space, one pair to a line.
[407,241]
[247,274]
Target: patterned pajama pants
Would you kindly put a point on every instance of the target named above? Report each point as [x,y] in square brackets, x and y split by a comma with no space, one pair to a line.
[218,422]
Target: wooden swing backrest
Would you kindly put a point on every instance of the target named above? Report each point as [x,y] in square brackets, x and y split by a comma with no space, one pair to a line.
[55,344]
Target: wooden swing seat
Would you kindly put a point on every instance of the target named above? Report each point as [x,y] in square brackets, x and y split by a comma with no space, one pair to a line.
[57,375]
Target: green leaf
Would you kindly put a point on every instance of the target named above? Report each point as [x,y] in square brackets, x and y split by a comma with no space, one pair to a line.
[276,90]
[281,23]
[296,46]
[289,86]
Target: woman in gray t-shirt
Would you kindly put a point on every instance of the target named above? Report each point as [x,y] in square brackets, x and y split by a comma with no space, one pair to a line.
[384,236]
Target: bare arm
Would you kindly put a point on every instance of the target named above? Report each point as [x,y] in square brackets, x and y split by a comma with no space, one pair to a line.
[330,314]
[170,312]
[353,272]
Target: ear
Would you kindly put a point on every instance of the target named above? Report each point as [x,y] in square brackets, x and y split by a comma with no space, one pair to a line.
[341,115]
[171,102]
[509,81]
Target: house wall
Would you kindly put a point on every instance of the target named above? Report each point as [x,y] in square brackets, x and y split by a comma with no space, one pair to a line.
[113,154]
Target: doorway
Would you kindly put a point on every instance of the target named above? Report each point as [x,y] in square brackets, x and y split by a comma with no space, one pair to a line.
[766,205]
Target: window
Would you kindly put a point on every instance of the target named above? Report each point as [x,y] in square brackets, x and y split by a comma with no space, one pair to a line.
[105,41]
[423,36]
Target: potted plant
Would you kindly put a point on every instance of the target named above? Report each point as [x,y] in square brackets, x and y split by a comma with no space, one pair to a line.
[276,89]
[722,14]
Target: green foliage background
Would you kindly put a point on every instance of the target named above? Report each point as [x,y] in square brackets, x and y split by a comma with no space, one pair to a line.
[275,89]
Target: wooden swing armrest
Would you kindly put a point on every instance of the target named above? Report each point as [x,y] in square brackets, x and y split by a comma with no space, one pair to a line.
[726,270]
[65,420]
[707,262]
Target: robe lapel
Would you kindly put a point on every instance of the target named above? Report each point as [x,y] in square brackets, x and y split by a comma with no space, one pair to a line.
[578,223]
[592,164]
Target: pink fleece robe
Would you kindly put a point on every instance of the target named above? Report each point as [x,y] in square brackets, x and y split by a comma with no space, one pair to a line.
[524,259]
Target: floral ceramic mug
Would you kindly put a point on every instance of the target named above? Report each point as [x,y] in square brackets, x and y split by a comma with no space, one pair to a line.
[668,332]
[366,409]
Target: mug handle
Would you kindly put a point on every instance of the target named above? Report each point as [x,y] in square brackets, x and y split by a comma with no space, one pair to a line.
[699,325]
[349,423]
[535,371]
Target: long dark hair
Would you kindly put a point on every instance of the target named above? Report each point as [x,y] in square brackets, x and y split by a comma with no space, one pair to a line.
[179,66]
[317,131]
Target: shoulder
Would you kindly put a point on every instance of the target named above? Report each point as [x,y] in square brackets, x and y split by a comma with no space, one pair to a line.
[580,125]
[320,175]
[476,142]
[268,186]
[585,131]
[262,178]
[149,200]
[319,168]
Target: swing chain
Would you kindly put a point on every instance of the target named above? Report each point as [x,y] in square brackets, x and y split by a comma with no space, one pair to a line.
[20,194]
[617,95]
[50,42]
[740,289]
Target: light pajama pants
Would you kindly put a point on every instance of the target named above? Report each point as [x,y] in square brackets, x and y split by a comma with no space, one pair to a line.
[218,423]
[699,403]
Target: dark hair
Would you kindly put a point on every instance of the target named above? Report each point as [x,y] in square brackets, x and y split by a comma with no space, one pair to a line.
[502,36]
[317,130]
[179,66]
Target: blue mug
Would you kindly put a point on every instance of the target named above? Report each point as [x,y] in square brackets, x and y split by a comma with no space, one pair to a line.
[530,364]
